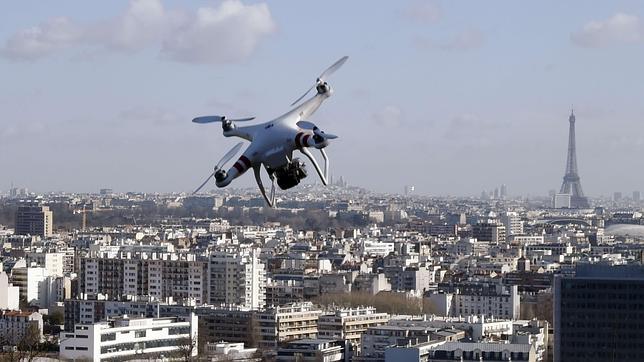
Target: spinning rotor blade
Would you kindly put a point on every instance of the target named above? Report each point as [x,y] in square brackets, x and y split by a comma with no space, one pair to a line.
[204,183]
[233,151]
[333,68]
[327,73]
[210,119]
[310,126]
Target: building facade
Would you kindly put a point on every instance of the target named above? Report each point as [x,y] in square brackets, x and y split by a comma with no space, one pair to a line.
[598,314]
[125,338]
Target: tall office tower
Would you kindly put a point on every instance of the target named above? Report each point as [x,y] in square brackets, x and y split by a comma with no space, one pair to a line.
[571,184]
[637,196]
[34,219]
[598,314]
[504,191]
[237,278]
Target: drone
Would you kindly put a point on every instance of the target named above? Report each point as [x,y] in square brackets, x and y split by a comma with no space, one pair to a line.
[272,143]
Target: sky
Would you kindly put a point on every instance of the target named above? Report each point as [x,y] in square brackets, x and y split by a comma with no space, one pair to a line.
[453,97]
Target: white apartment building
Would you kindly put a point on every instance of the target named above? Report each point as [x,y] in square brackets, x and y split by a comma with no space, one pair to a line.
[287,323]
[31,282]
[513,223]
[349,324]
[498,304]
[124,338]
[237,278]
[53,262]
[375,248]
[9,294]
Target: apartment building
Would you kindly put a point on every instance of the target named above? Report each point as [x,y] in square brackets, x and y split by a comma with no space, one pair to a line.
[34,219]
[348,324]
[287,323]
[181,277]
[14,325]
[236,278]
[125,338]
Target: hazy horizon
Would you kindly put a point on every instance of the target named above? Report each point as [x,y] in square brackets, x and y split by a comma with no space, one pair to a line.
[451,97]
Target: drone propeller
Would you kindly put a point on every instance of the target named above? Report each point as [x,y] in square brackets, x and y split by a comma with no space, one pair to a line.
[233,151]
[321,79]
[317,131]
[210,119]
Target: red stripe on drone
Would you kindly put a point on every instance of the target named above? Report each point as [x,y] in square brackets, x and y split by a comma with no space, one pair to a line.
[245,161]
[239,167]
[306,139]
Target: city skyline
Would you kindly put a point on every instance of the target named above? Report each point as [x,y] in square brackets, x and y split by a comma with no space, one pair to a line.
[92,100]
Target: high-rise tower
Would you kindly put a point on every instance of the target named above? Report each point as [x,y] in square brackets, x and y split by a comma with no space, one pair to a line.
[571,184]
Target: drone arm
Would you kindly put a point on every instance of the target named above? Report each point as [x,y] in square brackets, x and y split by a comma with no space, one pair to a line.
[323,176]
[270,201]
[241,132]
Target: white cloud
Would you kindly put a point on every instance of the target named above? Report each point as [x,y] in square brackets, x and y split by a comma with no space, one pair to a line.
[41,40]
[619,28]
[227,33]
[390,116]
[220,35]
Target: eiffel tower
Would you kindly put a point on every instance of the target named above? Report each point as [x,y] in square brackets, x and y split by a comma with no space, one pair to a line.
[571,184]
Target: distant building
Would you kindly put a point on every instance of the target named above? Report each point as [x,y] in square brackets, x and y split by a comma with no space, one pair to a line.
[237,278]
[33,219]
[598,314]
[462,351]
[637,196]
[227,351]
[14,325]
[562,201]
[312,350]
[617,196]
[31,282]
[477,298]
[160,276]
[287,323]
[9,294]
[126,338]
[494,233]
[512,222]
[349,324]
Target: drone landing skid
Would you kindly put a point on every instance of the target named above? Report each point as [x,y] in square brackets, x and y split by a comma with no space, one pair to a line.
[258,177]
[323,176]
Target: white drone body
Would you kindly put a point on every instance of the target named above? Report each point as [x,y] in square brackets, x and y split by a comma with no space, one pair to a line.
[272,143]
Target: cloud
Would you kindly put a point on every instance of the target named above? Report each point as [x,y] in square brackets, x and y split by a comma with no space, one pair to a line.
[424,12]
[619,28]
[390,116]
[227,33]
[220,35]
[465,40]
[41,40]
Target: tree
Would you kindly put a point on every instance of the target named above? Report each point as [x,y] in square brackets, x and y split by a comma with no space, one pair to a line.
[186,348]
[28,349]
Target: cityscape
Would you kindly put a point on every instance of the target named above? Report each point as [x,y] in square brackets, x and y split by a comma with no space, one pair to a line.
[349,258]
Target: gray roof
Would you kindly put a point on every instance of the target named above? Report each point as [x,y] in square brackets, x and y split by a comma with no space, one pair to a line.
[483,347]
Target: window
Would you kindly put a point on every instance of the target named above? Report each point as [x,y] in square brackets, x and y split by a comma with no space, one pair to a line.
[139,334]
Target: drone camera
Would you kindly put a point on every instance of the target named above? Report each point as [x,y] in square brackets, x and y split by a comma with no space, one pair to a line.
[291,174]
